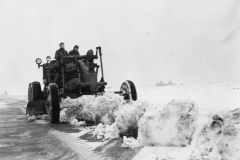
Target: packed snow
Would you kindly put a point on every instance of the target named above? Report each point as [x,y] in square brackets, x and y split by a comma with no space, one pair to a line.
[218,138]
[131,142]
[186,115]
[78,123]
[128,116]
[172,126]
[137,118]
[63,116]
[91,108]
[106,132]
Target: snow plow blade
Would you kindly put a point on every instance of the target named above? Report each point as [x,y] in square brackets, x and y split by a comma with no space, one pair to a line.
[36,108]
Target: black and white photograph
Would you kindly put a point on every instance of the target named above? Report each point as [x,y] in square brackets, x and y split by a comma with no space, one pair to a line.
[119,80]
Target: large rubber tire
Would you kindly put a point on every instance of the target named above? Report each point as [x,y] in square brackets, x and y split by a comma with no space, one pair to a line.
[53,105]
[34,91]
[128,90]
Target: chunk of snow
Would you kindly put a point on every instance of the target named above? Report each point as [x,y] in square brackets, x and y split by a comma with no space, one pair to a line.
[106,132]
[63,116]
[131,142]
[76,123]
[129,114]
[31,118]
[218,138]
[172,126]
[99,137]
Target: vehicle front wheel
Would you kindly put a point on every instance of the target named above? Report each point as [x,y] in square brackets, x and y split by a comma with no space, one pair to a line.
[34,91]
[128,90]
[53,105]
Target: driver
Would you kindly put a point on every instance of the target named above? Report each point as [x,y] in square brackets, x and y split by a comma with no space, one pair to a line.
[61,52]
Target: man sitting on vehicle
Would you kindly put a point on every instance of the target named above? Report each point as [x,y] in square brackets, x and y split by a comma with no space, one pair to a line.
[74,52]
[61,52]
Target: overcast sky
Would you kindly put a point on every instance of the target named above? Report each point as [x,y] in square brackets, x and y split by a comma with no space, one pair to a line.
[185,41]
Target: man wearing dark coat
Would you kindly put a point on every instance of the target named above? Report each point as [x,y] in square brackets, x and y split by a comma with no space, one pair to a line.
[61,52]
[74,52]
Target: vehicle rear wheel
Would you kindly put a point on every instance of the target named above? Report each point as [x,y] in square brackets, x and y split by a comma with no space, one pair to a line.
[34,91]
[128,90]
[53,105]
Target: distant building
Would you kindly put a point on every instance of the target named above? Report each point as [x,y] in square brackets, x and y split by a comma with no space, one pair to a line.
[170,83]
[5,92]
[160,84]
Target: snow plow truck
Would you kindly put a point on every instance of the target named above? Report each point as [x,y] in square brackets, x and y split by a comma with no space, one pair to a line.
[76,76]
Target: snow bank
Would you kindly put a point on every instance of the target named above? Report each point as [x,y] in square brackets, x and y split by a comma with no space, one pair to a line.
[91,108]
[102,108]
[129,115]
[173,125]
[218,138]
[71,108]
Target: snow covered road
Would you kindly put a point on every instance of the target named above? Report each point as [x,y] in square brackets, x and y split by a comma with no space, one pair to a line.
[20,139]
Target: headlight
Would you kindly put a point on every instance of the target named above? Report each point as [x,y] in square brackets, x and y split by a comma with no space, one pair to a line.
[48,58]
[38,61]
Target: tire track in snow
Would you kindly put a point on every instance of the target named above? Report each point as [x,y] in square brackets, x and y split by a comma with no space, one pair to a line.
[78,145]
